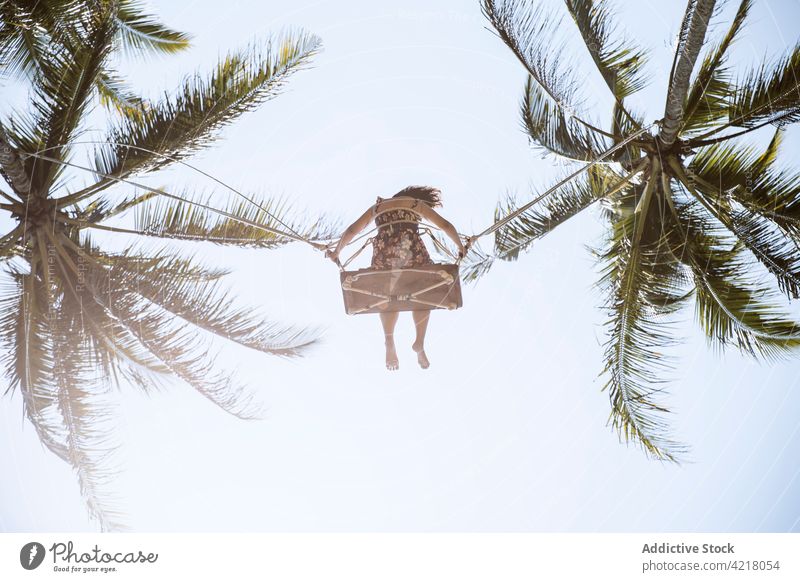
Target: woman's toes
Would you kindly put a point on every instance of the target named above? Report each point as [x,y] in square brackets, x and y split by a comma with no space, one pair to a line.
[392,362]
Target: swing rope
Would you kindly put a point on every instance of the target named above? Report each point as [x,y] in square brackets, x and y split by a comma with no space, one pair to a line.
[182,163]
[508,218]
[289,232]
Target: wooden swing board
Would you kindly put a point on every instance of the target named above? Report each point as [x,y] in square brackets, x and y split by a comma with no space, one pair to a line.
[428,287]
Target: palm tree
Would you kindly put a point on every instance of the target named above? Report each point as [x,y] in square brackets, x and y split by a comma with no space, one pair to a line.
[77,319]
[691,210]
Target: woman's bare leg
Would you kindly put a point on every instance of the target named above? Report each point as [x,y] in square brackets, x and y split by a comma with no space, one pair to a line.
[421,324]
[389,321]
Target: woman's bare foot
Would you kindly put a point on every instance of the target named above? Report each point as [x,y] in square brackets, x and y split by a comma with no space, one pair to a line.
[392,363]
[422,358]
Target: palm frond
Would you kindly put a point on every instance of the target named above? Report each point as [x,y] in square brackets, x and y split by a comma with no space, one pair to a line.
[476,264]
[206,305]
[10,243]
[734,308]
[768,93]
[774,196]
[63,90]
[47,361]
[530,32]
[141,32]
[563,204]
[725,170]
[740,174]
[177,219]
[101,209]
[27,357]
[116,94]
[768,243]
[88,419]
[183,352]
[643,283]
[178,126]
[28,29]
[552,129]
[771,246]
[725,165]
[625,123]
[150,337]
[618,60]
[117,352]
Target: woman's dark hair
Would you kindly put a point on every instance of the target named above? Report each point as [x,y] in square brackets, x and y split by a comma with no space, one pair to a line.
[431,196]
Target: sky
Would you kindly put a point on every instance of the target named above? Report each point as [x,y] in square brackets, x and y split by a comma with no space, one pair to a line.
[507,431]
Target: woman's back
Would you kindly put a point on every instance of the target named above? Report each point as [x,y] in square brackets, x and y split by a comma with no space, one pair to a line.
[397,243]
[400,213]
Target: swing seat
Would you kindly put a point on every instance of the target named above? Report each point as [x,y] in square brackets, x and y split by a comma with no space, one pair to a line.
[422,288]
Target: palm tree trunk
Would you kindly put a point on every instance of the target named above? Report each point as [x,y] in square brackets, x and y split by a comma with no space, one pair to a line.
[12,167]
[679,86]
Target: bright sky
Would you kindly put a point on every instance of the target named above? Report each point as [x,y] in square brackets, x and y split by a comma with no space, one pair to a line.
[507,430]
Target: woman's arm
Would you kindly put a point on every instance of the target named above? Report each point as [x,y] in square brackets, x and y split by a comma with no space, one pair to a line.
[437,220]
[348,235]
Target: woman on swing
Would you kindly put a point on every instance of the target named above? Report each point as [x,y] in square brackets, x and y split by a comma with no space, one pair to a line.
[397,245]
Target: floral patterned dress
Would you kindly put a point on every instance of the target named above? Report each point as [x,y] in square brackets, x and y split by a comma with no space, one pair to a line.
[397,244]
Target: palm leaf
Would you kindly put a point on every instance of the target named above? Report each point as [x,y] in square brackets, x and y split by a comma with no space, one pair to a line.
[771,246]
[624,124]
[563,204]
[476,264]
[729,171]
[768,93]
[52,369]
[734,308]
[154,342]
[762,237]
[28,29]
[177,219]
[88,421]
[115,94]
[63,90]
[206,305]
[725,170]
[643,283]
[549,127]
[566,202]
[117,350]
[530,33]
[619,62]
[11,165]
[143,33]
[183,352]
[725,165]
[178,126]
[27,357]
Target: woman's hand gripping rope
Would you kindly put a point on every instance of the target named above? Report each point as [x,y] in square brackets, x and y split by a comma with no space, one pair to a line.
[332,253]
[464,247]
